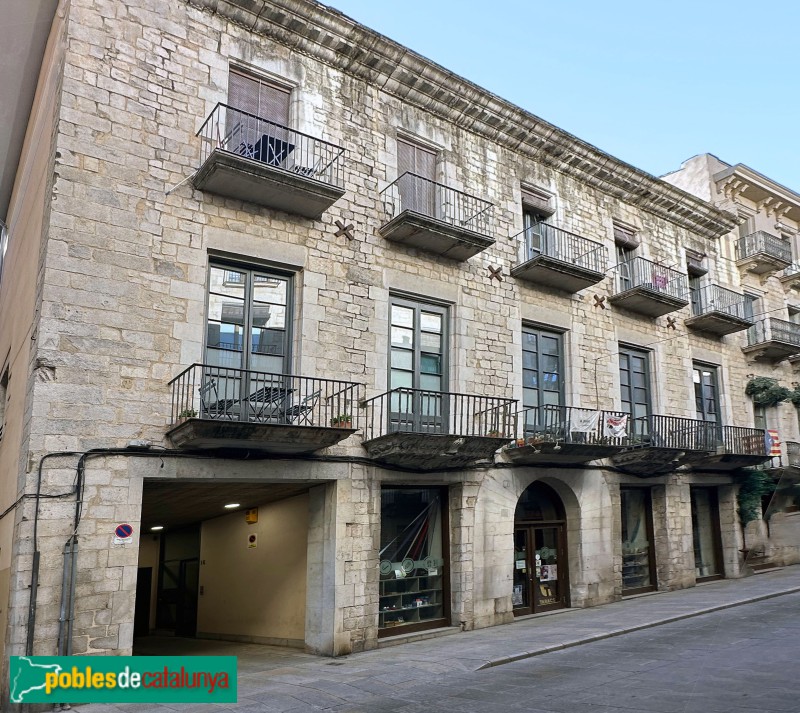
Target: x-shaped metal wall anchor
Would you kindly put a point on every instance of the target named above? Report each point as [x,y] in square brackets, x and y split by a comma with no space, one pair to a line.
[671,322]
[496,273]
[344,230]
[599,302]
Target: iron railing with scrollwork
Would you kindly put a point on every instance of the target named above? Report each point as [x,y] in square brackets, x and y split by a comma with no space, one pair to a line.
[420,195]
[244,134]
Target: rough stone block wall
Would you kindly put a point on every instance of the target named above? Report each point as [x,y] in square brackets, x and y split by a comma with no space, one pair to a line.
[123,304]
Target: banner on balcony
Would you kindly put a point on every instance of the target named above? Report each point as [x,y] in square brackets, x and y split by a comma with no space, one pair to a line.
[615,426]
[773,442]
[583,420]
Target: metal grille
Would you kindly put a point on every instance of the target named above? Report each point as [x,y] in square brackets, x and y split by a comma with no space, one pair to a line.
[639,272]
[713,298]
[763,243]
[545,239]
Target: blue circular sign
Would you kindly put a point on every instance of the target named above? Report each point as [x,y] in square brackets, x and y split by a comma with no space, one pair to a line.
[123,531]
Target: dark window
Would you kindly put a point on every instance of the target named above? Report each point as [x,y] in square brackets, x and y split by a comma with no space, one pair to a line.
[624,276]
[414,586]
[249,314]
[706,393]
[418,361]
[533,222]
[634,382]
[638,570]
[694,293]
[542,368]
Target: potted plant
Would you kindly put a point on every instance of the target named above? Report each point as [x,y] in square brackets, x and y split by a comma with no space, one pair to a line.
[343,420]
[494,433]
[187,413]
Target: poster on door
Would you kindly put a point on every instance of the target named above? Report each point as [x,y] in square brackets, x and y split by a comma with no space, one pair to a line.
[549,573]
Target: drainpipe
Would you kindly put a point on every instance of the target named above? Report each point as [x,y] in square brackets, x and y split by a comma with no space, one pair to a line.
[35,564]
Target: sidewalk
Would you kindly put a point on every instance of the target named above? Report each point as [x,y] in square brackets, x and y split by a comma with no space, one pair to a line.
[289,681]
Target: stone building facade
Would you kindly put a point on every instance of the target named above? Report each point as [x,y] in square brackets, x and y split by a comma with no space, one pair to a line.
[440,357]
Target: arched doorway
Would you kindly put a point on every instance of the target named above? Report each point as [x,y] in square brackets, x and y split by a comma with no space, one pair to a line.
[540,552]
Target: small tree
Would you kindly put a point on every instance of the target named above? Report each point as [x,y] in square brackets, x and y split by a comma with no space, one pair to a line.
[766,391]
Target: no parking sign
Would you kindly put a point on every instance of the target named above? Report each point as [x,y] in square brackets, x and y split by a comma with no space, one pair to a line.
[123,534]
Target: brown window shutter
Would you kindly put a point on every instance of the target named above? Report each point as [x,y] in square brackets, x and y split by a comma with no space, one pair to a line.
[412,158]
[625,236]
[255,96]
[694,263]
[537,201]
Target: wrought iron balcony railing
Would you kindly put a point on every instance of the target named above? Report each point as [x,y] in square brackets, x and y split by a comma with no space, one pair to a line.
[544,239]
[420,195]
[221,393]
[713,298]
[247,135]
[674,433]
[743,441]
[774,330]
[792,270]
[439,412]
[572,425]
[640,272]
[763,243]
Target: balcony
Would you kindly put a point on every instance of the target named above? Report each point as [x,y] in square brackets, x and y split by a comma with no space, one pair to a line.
[559,259]
[772,339]
[650,289]
[566,436]
[435,218]
[790,278]
[762,253]
[718,311]
[252,159]
[659,444]
[734,447]
[216,407]
[436,430]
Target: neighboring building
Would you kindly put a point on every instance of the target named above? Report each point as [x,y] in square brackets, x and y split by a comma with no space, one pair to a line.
[763,249]
[277,260]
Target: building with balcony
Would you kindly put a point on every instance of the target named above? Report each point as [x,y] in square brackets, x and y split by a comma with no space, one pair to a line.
[265,302]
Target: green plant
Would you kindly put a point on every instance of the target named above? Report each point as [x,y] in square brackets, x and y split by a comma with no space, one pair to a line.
[188,413]
[766,391]
[752,487]
[341,419]
[794,396]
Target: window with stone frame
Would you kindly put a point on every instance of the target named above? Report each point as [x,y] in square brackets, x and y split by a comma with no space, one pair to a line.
[542,374]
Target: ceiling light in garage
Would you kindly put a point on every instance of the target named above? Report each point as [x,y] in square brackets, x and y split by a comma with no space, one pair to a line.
[231,506]
[156,528]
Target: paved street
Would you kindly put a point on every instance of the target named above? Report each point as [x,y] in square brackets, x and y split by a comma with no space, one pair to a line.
[738,657]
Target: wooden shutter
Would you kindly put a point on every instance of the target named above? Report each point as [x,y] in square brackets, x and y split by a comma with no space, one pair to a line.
[537,201]
[625,236]
[255,96]
[412,158]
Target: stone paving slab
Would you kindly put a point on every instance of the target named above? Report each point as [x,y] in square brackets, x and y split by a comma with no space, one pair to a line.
[276,679]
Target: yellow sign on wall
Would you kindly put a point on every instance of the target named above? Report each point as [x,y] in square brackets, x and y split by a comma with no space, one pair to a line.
[251,516]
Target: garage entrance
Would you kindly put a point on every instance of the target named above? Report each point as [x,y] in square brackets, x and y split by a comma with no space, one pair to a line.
[224,561]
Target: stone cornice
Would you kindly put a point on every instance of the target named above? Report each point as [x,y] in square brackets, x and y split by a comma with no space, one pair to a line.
[329,36]
[773,198]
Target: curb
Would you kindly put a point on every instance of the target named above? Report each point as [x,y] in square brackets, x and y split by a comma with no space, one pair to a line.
[627,630]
